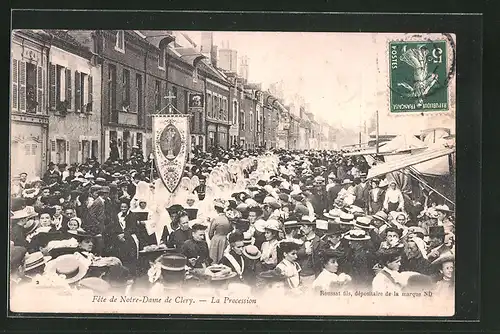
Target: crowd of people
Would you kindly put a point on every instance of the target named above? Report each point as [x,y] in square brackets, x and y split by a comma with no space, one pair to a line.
[291,221]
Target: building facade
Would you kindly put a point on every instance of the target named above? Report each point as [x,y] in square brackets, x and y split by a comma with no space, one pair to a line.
[29,102]
[217,95]
[74,101]
[248,122]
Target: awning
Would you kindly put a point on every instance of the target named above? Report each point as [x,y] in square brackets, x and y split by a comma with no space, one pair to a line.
[408,161]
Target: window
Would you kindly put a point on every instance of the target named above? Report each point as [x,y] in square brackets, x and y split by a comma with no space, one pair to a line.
[120,41]
[242,119]
[208,98]
[112,87]
[235,112]
[157,95]
[126,90]
[138,139]
[161,58]
[138,92]
[61,151]
[211,138]
[31,89]
[95,149]
[85,150]
[251,120]
[81,94]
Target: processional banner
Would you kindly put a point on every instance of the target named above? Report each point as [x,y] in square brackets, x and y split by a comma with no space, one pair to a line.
[171,147]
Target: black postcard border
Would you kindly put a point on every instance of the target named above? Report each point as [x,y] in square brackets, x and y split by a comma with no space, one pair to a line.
[468,30]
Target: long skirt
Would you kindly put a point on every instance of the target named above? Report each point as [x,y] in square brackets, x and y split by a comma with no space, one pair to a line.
[217,246]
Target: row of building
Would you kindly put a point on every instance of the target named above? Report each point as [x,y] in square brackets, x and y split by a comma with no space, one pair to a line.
[75,92]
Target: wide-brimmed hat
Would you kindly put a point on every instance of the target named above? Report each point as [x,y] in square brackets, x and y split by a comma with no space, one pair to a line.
[251,252]
[345,218]
[291,223]
[26,212]
[308,220]
[381,215]
[445,257]
[80,233]
[73,267]
[35,260]
[273,225]
[443,208]
[383,183]
[357,235]
[333,214]
[364,223]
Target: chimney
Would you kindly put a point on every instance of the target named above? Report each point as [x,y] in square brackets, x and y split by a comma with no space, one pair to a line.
[213,55]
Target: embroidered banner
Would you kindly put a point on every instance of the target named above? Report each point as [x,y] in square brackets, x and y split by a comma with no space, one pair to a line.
[171,147]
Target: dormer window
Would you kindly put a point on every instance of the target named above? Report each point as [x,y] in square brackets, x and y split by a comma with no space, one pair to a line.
[120,41]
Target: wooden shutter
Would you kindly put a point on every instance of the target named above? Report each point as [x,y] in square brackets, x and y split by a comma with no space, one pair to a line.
[90,102]
[15,84]
[52,88]
[39,88]
[78,99]
[22,86]
[69,93]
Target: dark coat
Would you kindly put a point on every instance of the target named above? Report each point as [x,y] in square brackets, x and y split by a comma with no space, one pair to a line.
[95,222]
[178,237]
[146,240]
[52,177]
[196,249]
[362,263]
[332,194]
[419,265]
[311,264]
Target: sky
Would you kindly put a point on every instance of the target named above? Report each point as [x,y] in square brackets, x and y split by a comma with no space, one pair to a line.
[336,73]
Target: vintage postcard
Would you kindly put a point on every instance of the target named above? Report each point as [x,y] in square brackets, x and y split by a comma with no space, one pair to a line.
[235,173]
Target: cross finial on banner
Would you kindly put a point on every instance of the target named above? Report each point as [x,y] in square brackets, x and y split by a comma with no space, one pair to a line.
[170,97]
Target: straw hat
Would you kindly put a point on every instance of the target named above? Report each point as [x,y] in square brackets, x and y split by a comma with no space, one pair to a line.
[364,223]
[73,267]
[345,218]
[273,225]
[251,252]
[35,260]
[357,235]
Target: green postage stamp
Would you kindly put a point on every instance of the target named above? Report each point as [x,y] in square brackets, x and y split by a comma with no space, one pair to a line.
[418,76]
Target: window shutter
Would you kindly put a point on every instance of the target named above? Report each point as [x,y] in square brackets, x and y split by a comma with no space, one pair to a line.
[53,145]
[90,102]
[52,88]
[22,86]
[69,94]
[39,88]
[78,99]
[15,84]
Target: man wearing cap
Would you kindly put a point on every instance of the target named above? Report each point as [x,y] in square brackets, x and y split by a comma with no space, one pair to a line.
[361,191]
[196,248]
[437,247]
[52,176]
[308,254]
